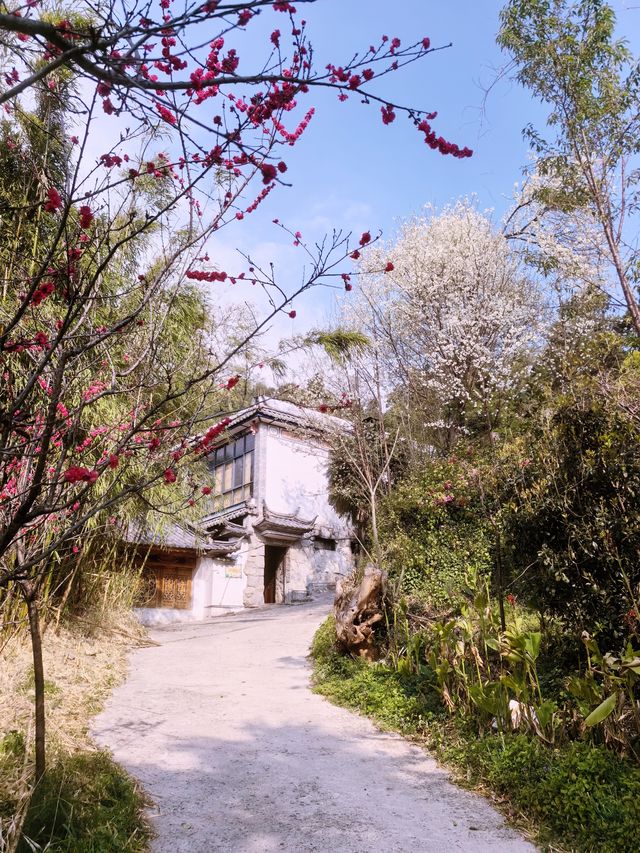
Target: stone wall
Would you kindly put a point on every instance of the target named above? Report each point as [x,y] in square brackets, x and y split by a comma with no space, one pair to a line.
[254,573]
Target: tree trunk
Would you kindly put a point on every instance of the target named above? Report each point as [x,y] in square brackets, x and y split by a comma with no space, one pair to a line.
[38,677]
[357,610]
[500,580]
[375,539]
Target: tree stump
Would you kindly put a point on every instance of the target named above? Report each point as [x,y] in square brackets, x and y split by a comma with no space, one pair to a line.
[358,608]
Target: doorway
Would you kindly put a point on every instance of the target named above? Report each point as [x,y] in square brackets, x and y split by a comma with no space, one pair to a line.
[274,573]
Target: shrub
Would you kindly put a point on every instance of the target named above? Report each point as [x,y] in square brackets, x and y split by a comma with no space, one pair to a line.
[582,793]
[435,534]
[574,523]
[398,701]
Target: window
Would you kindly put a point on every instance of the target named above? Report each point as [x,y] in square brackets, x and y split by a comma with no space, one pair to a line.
[321,543]
[232,469]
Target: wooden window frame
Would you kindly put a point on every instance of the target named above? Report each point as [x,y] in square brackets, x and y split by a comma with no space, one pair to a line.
[233,479]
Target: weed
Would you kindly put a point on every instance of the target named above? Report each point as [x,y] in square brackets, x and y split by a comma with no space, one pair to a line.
[85,804]
[397,701]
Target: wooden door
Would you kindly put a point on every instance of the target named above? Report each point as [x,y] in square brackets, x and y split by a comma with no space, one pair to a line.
[174,589]
[167,580]
[273,572]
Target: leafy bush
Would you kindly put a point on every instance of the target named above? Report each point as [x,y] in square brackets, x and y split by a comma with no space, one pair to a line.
[479,670]
[574,521]
[85,804]
[401,702]
[582,793]
[435,534]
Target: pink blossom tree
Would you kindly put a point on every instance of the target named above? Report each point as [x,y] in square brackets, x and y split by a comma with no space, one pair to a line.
[108,375]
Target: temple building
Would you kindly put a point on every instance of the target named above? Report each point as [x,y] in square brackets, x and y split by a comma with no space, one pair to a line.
[271,535]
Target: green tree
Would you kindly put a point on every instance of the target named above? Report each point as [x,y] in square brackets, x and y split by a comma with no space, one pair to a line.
[435,534]
[572,498]
[567,54]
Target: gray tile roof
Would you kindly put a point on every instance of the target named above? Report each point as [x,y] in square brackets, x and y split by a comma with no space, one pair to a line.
[180,537]
[270,408]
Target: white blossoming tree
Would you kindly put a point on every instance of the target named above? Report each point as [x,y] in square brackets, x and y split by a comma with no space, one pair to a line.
[456,312]
[564,245]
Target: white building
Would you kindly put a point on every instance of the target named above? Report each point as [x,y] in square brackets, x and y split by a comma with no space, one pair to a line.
[271,536]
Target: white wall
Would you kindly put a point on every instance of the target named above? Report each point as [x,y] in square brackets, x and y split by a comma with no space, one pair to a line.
[163,615]
[296,476]
[201,588]
[228,580]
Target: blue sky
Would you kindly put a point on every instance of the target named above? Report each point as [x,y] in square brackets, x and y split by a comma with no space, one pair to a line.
[389,168]
[352,172]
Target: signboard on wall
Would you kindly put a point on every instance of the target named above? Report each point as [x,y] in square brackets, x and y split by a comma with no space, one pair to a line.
[233,570]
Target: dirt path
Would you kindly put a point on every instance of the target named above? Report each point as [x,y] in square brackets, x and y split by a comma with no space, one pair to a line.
[219,724]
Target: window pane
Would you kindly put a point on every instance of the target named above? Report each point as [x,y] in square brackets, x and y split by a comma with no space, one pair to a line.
[227,482]
[232,470]
[248,468]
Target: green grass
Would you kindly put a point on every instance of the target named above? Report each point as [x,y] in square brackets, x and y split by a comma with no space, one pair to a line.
[400,703]
[85,804]
[12,752]
[581,795]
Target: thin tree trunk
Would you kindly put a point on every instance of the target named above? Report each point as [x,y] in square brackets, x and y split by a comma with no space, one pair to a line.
[374,526]
[500,580]
[603,206]
[38,677]
[498,552]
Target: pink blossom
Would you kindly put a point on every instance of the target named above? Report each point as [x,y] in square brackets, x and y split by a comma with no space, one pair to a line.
[85,216]
[77,474]
[54,202]
[388,115]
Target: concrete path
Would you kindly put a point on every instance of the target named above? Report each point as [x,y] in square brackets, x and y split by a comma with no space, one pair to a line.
[220,726]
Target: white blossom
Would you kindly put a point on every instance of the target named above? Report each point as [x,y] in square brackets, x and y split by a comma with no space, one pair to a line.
[565,246]
[457,310]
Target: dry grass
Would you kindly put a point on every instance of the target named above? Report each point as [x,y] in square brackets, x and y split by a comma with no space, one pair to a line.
[82,662]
